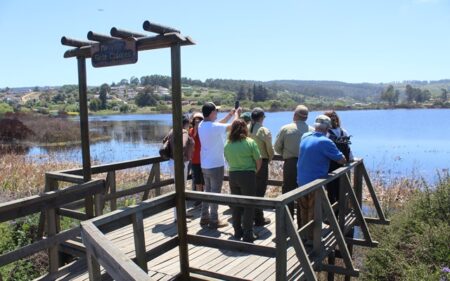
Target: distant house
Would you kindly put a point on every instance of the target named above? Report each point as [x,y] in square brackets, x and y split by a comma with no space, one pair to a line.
[161,91]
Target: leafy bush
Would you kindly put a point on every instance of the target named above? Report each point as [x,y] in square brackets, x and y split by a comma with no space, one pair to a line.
[17,234]
[415,245]
[4,108]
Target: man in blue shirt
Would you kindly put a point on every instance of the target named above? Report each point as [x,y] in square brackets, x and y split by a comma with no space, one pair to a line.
[316,151]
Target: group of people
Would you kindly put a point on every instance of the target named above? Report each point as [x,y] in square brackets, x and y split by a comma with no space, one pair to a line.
[246,146]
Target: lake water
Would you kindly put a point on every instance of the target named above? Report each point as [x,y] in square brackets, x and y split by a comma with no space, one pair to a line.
[395,143]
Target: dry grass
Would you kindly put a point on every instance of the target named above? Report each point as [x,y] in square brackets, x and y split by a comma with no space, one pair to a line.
[21,176]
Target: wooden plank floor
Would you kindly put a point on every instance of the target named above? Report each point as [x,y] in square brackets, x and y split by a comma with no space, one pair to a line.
[161,227]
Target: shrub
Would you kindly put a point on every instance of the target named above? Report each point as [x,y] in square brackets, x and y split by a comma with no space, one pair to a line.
[415,245]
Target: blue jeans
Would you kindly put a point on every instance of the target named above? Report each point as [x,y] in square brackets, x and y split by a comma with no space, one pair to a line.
[213,183]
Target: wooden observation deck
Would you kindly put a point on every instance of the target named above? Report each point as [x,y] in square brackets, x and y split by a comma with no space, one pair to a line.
[142,242]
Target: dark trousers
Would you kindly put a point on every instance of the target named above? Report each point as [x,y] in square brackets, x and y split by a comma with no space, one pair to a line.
[242,183]
[333,186]
[290,179]
[261,185]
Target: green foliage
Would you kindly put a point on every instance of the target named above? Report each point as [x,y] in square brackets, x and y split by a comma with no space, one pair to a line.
[145,99]
[444,95]
[415,245]
[4,108]
[390,95]
[103,94]
[95,104]
[17,234]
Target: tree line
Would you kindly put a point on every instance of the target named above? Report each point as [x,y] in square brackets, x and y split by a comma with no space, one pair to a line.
[411,95]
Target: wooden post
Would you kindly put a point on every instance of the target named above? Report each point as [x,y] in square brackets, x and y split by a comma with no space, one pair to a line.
[280,238]
[178,158]
[358,181]
[111,183]
[139,240]
[157,167]
[150,180]
[317,225]
[53,255]
[93,266]
[84,129]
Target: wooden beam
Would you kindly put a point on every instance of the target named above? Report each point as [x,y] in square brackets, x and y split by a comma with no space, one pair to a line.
[116,263]
[335,228]
[72,214]
[139,240]
[38,246]
[26,206]
[158,28]
[300,250]
[180,199]
[138,189]
[142,44]
[234,200]
[376,203]
[116,32]
[99,37]
[280,241]
[75,43]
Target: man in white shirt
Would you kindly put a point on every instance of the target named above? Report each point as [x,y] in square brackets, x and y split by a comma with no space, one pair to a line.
[212,137]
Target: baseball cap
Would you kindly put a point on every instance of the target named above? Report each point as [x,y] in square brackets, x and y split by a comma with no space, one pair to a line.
[209,107]
[301,111]
[257,113]
[323,120]
[246,116]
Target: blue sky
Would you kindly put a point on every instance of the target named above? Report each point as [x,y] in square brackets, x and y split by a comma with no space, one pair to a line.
[348,40]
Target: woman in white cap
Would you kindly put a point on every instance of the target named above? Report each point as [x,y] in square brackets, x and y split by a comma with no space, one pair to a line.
[197,175]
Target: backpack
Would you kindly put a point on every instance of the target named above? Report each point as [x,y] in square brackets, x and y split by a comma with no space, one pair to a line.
[342,143]
[165,151]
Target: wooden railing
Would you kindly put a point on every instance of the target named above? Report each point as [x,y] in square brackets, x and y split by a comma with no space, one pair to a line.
[46,203]
[99,250]
[91,197]
[102,252]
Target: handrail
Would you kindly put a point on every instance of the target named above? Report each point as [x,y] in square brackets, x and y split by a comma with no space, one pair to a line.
[103,168]
[117,264]
[52,199]
[47,203]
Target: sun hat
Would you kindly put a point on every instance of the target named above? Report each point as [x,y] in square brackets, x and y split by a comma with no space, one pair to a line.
[209,107]
[197,115]
[323,120]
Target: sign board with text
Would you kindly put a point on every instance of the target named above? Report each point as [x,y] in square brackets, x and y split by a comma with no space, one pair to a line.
[114,52]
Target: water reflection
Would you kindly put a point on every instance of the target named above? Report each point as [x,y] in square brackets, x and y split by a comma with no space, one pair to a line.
[146,131]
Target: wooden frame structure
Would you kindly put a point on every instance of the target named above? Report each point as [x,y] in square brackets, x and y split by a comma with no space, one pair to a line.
[167,37]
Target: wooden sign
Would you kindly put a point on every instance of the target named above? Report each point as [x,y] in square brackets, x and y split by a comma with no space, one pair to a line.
[114,52]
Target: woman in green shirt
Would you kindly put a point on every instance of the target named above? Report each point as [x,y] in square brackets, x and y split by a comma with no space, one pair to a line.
[244,159]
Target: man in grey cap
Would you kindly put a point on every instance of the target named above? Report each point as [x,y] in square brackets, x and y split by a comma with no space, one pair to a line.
[316,152]
[287,144]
